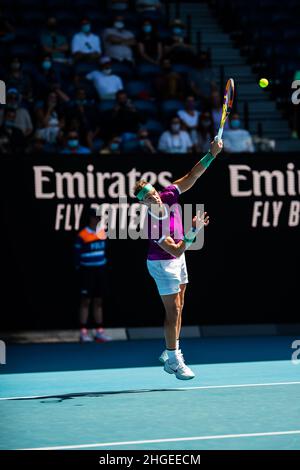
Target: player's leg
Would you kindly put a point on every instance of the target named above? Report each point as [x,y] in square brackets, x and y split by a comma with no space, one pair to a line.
[99,283]
[175,363]
[164,356]
[181,296]
[84,307]
[100,335]
[172,314]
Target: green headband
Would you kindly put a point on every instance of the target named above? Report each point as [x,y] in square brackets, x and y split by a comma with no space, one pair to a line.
[145,189]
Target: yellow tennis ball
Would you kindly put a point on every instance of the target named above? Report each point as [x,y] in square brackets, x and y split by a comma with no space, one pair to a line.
[263,83]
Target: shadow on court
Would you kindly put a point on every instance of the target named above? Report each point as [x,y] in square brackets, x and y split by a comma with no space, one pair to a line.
[142,353]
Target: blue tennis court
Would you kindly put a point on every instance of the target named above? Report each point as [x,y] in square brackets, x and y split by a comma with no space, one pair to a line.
[117,396]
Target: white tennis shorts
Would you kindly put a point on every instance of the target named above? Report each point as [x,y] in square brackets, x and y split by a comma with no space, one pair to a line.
[168,274]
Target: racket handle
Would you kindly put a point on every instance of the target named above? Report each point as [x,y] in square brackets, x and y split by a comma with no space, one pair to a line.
[219,136]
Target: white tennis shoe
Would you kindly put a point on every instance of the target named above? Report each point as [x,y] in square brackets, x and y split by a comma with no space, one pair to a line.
[179,368]
[164,356]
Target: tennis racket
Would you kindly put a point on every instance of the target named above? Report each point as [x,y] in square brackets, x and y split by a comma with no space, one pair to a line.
[227,106]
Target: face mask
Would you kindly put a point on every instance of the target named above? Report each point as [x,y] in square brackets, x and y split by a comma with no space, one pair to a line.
[119,25]
[206,123]
[142,140]
[147,28]
[46,65]
[190,105]
[9,123]
[86,28]
[175,128]
[235,123]
[178,31]
[114,146]
[106,71]
[73,143]
[52,26]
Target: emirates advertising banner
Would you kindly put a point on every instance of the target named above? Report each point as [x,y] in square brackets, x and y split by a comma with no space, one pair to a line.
[268,192]
[243,265]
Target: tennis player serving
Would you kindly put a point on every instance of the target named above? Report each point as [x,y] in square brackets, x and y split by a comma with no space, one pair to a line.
[166,258]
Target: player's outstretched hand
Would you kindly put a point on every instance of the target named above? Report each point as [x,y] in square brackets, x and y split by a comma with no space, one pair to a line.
[200,220]
[216,147]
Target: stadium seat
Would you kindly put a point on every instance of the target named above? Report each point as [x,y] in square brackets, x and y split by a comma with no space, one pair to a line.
[25,35]
[137,88]
[23,51]
[182,68]
[145,70]
[34,18]
[147,108]
[66,18]
[54,5]
[84,68]
[131,146]
[26,4]
[125,71]
[106,105]
[154,127]
[169,108]
[86,4]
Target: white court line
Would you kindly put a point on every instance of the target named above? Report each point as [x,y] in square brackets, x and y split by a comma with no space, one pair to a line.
[204,387]
[176,439]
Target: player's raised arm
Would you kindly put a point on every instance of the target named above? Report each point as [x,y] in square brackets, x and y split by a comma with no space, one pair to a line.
[176,249]
[187,181]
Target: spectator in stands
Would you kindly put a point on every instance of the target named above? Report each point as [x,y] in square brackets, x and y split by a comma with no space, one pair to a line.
[113,146]
[118,41]
[23,119]
[176,47]
[45,77]
[78,125]
[125,117]
[205,132]
[84,112]
[145,6]
[190,117]
[90,260]
[7,31]
[17,78]
[106,83]
[175,140]
[37,146]
[168,84]
[201,79]
[149,46]
[53,43]
[49,119]
[237,139]
[216,111]
[12,140]
[72,145]
[146,146]
[86,46]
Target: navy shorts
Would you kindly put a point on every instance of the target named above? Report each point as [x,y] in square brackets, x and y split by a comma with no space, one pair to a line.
[93,281]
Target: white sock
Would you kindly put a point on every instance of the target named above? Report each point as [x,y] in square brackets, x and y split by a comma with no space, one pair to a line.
[177,344]
[171,355]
